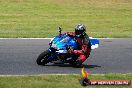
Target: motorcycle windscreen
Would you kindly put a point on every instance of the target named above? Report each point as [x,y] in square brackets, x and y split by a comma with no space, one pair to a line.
[61,42]
[94,43]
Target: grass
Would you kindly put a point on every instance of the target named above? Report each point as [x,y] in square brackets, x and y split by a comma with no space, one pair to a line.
[40,18]
[57,81]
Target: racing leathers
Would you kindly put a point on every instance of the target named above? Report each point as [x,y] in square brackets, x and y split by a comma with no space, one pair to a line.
[84,49]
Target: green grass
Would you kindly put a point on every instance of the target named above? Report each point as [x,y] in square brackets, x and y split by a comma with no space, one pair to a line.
[40,18]
[57,81]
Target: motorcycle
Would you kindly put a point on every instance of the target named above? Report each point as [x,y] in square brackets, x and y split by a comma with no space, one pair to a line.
[59,47]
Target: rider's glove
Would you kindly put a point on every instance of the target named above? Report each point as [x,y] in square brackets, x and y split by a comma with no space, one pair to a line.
[71,50]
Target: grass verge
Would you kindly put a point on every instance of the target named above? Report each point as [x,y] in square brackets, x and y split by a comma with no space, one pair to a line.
[40,18]
[57,81]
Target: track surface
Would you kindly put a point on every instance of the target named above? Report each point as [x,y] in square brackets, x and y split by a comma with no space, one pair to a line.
[18,57]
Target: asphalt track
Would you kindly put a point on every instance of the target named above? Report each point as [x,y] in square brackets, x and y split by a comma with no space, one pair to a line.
[18,57]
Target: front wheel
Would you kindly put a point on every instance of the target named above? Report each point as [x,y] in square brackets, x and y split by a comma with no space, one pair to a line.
[43,58]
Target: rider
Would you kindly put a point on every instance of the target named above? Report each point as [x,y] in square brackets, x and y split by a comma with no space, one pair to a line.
[83,40]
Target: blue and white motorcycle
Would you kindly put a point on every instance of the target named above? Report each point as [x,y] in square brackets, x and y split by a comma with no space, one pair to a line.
[59,47]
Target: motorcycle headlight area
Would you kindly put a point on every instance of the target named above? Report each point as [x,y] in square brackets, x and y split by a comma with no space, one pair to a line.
[54,46]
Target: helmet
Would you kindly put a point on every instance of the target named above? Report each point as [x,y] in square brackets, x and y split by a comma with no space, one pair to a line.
[80,30]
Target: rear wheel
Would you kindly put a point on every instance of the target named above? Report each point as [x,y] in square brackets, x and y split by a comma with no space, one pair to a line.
[76,62]
[43,58]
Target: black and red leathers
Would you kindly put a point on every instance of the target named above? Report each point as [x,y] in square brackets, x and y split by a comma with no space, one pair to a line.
[84,46]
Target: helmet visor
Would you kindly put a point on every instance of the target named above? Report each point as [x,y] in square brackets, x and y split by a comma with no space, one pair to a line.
[78,32]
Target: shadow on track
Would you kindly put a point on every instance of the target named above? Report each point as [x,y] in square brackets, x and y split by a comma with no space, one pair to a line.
[69,65]
[91,66]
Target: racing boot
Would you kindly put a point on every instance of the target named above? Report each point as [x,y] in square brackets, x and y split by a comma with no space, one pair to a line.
[79,63]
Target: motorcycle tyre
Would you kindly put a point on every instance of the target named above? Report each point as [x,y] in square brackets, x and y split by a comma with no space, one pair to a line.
[42,58]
